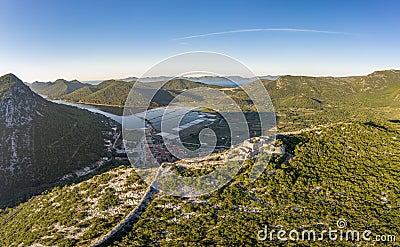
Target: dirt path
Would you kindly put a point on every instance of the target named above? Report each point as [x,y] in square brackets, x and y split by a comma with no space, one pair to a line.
[130,219]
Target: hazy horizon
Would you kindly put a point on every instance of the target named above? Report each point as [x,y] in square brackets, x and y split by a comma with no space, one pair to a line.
[158,76]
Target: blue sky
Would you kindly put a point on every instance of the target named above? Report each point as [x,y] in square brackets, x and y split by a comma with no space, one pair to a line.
[89,40]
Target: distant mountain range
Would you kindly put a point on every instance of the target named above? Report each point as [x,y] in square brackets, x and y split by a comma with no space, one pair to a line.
[113,92]
[57,88]
[381,88]
[41,141]
[228,81]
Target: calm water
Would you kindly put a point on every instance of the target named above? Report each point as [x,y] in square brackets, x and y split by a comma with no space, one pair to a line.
[154,116]
[94,109]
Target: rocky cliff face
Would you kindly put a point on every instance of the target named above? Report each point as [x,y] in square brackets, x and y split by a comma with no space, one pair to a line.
[37,137]
[19,106]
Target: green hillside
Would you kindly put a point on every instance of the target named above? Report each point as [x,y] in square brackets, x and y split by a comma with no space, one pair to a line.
[98,204]
[39,87]
[299,101]
[346,172]
[342,171]
[109,93]
[381,88]
[377,89]
[79,94]
[183,84]
[302,101]
[115,92]
[56,89]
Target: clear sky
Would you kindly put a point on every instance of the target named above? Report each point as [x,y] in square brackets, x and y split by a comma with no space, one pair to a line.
[93,39]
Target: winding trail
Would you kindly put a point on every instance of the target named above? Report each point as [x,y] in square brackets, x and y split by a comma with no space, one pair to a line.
[130,219]
[134,216]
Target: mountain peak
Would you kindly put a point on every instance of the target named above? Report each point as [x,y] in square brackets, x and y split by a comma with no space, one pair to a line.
[60,81]
[10,75]
[30,126]
[384,72]
[9,78]
[9,81]
[65,81]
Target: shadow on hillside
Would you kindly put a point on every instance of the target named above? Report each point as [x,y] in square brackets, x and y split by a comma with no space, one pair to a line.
[29,193]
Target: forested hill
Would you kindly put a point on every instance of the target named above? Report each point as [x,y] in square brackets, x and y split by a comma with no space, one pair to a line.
[380,88]
[303,101]
[115,92]
[184,84]
[57,88]
[41,141]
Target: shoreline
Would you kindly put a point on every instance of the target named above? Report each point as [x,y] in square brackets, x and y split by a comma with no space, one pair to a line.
[86,103]
[99,104]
